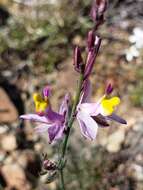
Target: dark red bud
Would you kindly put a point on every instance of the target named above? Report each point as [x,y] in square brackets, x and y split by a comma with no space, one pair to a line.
[48,165]
[78,61]
[90,40]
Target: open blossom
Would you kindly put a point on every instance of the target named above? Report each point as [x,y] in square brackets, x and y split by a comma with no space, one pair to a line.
[90,116]
[48,120]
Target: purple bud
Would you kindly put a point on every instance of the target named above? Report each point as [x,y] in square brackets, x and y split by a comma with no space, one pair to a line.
[102,6]
[109,89]
[48,165]
[92,56]
[78,61]
[90,40]
[46,91]
[97,10]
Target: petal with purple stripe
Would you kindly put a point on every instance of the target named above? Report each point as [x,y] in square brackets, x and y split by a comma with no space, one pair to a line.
[88,126]
[35,118]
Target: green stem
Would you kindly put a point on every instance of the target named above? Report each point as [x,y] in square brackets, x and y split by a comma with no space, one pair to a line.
[71,120]
[62,180]
[70,123]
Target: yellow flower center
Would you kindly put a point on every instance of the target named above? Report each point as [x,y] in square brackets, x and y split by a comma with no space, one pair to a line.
[40,104]
[108,105]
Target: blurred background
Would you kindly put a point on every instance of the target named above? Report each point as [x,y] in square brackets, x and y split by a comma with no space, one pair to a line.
[36,48]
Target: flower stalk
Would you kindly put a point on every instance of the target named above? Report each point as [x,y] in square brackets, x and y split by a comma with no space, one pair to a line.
[90,115]
[72,116]
[62,180]
[69,126]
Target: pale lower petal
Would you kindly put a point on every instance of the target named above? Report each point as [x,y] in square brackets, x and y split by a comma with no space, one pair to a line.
[41,128]
[88,126]
[35,118]
[83,128]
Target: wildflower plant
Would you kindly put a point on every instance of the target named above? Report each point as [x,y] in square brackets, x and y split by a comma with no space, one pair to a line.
[90,115]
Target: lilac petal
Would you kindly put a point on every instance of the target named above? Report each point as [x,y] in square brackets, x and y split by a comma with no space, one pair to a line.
[41,128]
[54,116]
[35,118]
[92,109]
[117,118]
[83,127]
[87,90]
[64,105]
[87,125]
[55,132]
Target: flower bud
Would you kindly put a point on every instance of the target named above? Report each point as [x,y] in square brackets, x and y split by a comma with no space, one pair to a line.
[48,165]
[92,56]
[46,92]
[78,61]
[90,40]
[109,89]
[97,10]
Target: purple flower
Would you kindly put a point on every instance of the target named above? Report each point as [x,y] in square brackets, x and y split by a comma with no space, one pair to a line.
[52,122]
[90,116]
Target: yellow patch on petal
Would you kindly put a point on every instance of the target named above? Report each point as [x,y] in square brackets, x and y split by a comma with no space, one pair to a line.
[40,104]
[108,105]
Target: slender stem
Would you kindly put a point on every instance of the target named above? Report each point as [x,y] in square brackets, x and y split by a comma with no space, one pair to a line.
[71,120]
[62,180]
[70,123]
